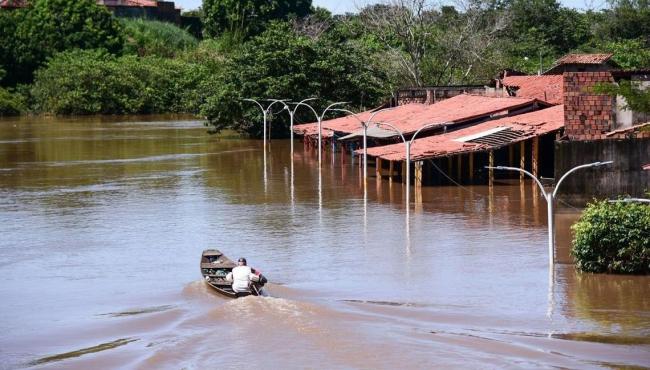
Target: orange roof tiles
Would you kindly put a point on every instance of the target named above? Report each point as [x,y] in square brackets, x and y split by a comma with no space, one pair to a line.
[547,88]
[584,59]
[628,129]
[410,117]
[525,125]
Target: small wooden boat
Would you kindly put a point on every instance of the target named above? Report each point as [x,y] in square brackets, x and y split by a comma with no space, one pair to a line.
[214,268]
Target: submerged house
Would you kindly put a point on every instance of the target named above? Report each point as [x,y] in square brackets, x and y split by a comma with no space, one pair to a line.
[545,124]
[449,114]
[446,122]
[601,127]
[520,140]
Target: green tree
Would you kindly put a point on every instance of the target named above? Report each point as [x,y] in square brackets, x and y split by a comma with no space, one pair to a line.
[627,19]
[7,43]
[279,63]
[628,53]
[11,104]
[540,28]
[242,18]
[50,26]
[559,27]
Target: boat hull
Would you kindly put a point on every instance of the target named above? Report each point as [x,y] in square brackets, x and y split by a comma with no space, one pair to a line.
[215,266]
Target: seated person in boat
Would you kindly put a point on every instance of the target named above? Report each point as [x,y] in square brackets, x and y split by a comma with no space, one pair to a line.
[241,277]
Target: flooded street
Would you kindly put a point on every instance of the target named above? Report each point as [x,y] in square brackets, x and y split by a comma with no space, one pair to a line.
[102,225]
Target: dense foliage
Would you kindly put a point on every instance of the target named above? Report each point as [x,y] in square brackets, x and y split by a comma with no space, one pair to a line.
[29,36]
[95,82]
[282,64]
[613,237]
[11,104]
[242,18]
[289,49]
[144,38]
[636,98]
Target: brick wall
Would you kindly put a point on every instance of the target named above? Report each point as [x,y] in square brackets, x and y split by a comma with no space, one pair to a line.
[587,115]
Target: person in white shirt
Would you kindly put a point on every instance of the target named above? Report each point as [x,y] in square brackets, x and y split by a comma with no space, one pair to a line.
[241,277]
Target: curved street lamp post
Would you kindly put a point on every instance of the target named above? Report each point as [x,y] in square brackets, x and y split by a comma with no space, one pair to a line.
[550,198]
[319,118]
[265,112]
[365,126]
[408,144]
[292,113]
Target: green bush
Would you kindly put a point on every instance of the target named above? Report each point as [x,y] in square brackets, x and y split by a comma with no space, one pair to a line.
[31,35]
[282,64]
[613,237]
[11,104]
[154,38]
[94,82]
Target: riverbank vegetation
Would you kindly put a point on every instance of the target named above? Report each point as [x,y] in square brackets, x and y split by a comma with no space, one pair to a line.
[96,82]
[613,238]
[289,49]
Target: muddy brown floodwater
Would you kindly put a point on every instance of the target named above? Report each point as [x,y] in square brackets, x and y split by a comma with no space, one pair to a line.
[102,224]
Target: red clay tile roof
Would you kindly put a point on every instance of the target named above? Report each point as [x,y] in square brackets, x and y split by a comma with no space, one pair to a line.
[584,59]
[546,88]
[410,117]
[525,126]
[628,129]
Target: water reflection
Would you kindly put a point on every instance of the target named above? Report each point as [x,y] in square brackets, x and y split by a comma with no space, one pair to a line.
[112,204]
[613,304]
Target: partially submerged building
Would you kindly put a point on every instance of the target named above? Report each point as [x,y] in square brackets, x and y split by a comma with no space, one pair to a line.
[524,140]
[601,127]
[546,124]
[459,111]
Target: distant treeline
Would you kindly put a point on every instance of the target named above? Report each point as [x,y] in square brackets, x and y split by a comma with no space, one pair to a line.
[74,57]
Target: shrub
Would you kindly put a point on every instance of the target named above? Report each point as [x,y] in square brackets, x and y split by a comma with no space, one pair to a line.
[154,38]
[11,104]
[613,237]
[94,82]
[31,35]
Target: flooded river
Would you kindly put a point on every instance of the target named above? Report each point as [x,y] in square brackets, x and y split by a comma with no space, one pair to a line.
[102,224]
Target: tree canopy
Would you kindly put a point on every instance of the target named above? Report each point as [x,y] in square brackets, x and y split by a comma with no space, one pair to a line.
[282,64]
[243,18]
[289,49]
[45,27]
